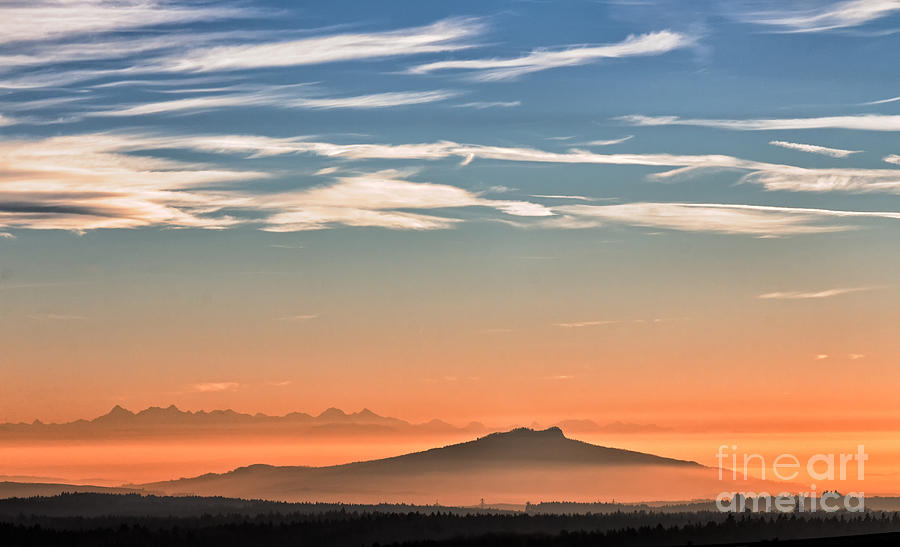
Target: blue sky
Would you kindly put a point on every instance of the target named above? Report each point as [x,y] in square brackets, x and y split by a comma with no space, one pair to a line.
[603,79]
[474,149]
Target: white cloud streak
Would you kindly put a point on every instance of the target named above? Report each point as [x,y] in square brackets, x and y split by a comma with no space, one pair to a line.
[772,176]
[108,47]
[609,142]
[92,181]
[481,105]
[446,35]
[711,217]
[176,51]
[581,324]
[381,199]
[279,99]
[824,16]
[814,149]
[53,19]
[805,295]
[215,387]
[893,158]
[798,179]
[86,182]
[559,196]
[375,100]
[654,43]
[862,122]
[883,101]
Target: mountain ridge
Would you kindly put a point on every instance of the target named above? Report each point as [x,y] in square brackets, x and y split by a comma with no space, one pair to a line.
[528,435]
[518,438]
[521,458]
[170,420]
[120,419]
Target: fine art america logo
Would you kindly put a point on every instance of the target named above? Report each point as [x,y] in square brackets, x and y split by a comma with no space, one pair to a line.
[787,467]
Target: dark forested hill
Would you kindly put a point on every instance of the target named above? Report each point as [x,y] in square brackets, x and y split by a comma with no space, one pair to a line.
[85,520]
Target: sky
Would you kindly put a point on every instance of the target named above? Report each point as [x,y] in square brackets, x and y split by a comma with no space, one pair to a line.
[506,211]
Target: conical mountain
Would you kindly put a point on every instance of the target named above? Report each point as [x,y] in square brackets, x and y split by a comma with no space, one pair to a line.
[521,460]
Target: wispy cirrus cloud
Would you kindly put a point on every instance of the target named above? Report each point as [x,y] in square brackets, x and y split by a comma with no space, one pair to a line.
[609,142]
[814,149]
[53,19]
[120,48]
[57,78]
[382,199]
[863,122]
[582,324]
[38,104]
[175,51]
[92,181]
[481,105]
[805,295]
[449,149]
[772,176]
[600,323]
[215,387]
[883,101]
[188,104]
[654,43]
[374,100]
[821,16]
[279,98]
[445,35]
[711,217]
[797,179]
[86,182]
[562,196]
[108,58]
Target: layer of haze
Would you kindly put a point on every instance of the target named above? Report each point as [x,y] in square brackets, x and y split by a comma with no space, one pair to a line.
[114,462]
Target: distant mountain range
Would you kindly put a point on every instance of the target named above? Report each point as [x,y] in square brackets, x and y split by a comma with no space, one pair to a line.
[172,421]
[514,466]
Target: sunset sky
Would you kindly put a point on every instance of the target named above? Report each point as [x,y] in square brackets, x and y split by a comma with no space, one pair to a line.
[680,213]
